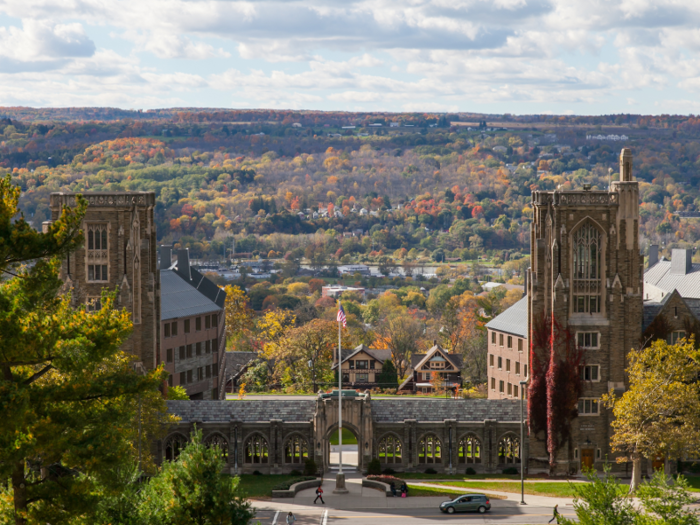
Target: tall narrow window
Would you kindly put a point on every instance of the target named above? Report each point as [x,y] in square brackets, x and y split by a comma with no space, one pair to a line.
[97,253]
[586,269]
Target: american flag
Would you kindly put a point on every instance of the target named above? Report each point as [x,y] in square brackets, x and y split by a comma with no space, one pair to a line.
[341,315]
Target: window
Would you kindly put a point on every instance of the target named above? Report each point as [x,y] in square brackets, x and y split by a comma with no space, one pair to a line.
[170,380]
[510,341]
[361,378]
[173,328]
[207,346]
[588,407]
[429,450]
[493,338]
[675,336]
[187,326]
[675,312]
[517,368]
[198,324]
[208,371]
[207,322]
[169,355]
[189,351]
[220,442]
[183,378]
[371,364]
[166,330]
[215,369]
[587,339]
[182,353]
[493,383]
[590,372]
[426,376]
[469,450]
[500,362]
[352,365]
[500,339]
[346,378]
[510,389]
[255,449]
[389,450]
[93,304]
[491,359]
[173,446]
[520,345]
[507,365]
[501,386]
[198,348]
[296,450]
[515,390]
[361,365]
[586,269]
[190,376]
[509,449]
[215,344]
[200,373]
[525,370]
[97,252]
[215,320]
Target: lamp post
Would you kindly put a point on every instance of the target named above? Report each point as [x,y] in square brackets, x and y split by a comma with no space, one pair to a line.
[523,384]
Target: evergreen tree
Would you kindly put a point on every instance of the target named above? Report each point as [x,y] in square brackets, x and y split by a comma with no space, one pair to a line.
[388,377]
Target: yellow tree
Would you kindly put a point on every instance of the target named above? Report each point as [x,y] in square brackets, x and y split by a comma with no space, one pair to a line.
[660,413]
[239,315]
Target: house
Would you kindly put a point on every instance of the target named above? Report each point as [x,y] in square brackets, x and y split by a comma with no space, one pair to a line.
[361,367]
[237,364]
[296,125]
[352,269]
[437,365]
[336,290]
[363,211]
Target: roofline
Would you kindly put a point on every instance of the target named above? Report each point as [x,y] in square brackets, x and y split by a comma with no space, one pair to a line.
[506,332]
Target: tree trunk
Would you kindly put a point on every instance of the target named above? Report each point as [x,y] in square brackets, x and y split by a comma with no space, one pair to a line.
[636,472]
[19,490]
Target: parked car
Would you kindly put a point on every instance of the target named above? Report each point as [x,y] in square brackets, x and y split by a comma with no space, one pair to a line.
[466,503]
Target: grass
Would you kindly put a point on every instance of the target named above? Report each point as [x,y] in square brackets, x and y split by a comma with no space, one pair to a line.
[418,491]
[348,438]
[459,477]
[693,482]
[552,489]
[261,486]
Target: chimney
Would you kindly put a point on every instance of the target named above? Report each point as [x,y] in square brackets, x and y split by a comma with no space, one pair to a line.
[166,256]
[626,165]
[681,262]
[183,263]
[653,255]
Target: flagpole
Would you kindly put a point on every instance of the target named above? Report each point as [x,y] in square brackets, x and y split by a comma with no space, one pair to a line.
[340,406]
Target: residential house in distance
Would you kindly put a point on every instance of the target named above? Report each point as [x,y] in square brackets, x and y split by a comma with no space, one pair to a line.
[237,364]
[436,363]
[336,290]
[508,352]
[361,366]
[193,328]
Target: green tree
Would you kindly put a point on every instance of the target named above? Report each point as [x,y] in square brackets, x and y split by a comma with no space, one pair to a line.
[666,501]
[388,378]
[178,393]
[193,490]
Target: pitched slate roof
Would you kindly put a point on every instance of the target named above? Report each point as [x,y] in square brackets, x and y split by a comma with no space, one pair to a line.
[513,320]
[236,362]
[379,355]
[455,359]
[179,298]
[660,275]
[298,410]
[397,410]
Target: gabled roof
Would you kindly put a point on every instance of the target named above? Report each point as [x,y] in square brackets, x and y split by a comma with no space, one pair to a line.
[512,321]
[237,362]
[418,360]
[379,355]
[687,284]
[180,298]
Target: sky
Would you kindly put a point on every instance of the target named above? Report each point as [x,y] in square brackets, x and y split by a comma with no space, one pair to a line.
[585,57]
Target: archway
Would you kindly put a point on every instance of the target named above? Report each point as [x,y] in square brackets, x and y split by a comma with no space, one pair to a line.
[351,450]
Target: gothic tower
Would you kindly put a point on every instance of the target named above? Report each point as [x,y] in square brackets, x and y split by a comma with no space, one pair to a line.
[586,279]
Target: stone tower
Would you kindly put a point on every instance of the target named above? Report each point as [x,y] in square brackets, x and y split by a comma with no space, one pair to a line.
[119,253]
[587,277]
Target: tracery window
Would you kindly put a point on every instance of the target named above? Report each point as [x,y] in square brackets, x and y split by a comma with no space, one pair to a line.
[587,244]
[256,449]
[469,449]
[429,450]
[97,252]
[220,442]
[509,449]
[174,445]
[296,450]
[390,450]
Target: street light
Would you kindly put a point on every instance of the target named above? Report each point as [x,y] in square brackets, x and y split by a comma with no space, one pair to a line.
[523,384]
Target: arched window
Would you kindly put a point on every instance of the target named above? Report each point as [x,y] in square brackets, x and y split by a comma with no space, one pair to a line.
[429,450]
[219,441]
[390,450]
[296,450]
[256,450]
[173,446]
[586,269]
[509,449]
[469,449]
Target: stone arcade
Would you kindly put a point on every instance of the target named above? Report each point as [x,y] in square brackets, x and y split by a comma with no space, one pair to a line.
[277,436]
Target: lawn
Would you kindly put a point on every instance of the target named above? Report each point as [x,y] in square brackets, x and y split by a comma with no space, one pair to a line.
[418,491]
[261,486]
[348,438]
[459,477]
[560,489]
[693,483]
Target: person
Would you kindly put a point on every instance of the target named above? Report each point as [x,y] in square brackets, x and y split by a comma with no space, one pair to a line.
[404,489]
[393,488]
[291,518]
[319,495]
[555,514]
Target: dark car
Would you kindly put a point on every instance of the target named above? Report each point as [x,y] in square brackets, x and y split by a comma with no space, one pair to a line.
[466,503]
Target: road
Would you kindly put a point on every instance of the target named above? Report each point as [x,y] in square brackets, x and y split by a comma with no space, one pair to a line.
[501,512]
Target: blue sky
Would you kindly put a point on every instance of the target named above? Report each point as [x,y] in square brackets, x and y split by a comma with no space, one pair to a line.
[491,56]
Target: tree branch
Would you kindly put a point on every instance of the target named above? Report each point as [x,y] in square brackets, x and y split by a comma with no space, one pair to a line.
[38,374]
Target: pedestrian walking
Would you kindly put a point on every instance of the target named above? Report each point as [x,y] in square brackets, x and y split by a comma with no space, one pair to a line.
[555,514]
[291,518]
[319,495]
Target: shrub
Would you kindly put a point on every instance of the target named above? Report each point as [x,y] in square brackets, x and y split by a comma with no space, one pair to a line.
[388,471]
[310,468]
[430,471]
[284,485]
[470,471]
[295,472]
[257,473]
[386,479]
[374,467]
[510,470]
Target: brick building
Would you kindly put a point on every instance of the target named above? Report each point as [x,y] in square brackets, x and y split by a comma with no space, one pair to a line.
[193,328]
[508,352]
[119,252]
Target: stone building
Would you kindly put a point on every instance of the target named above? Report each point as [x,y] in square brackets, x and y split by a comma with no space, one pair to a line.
[193,328]
[508,352]
[119,252]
